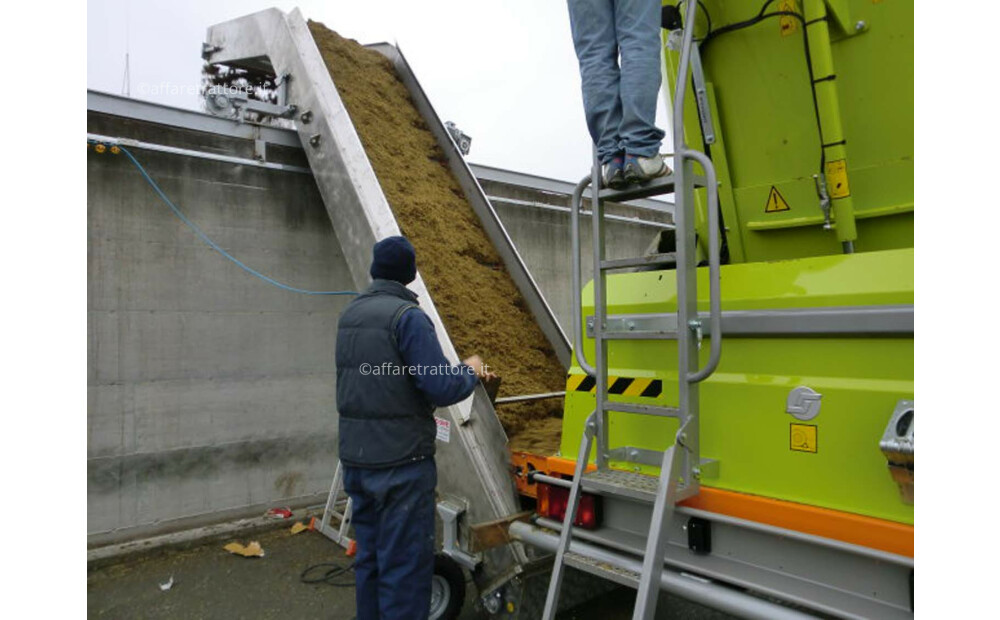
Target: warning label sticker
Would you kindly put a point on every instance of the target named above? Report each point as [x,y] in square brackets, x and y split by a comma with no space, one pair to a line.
[836,178]
[787,23]
[776,202]
[443,429]
[803,437]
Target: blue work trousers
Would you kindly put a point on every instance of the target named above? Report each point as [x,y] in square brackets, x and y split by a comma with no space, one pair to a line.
[619,100]
[393,517]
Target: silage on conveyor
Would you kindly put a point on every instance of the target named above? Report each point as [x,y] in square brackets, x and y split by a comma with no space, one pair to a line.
[481,307]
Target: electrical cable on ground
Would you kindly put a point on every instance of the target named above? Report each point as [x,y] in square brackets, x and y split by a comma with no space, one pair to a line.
[330,575]
[212,244]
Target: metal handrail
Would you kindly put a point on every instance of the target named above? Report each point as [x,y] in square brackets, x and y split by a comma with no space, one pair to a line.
[714,284]
[682,153]
[574,225]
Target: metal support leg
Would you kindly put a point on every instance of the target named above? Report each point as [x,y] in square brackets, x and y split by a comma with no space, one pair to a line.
[559,567]
[330,512]
[656,544]
[450,512]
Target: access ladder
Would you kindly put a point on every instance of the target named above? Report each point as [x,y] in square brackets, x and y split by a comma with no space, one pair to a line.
[338,506]
[679,471]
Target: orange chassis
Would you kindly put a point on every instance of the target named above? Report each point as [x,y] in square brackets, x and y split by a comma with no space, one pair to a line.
[846,527]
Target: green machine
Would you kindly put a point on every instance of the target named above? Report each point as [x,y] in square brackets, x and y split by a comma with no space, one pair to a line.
[755,372]
[813,125]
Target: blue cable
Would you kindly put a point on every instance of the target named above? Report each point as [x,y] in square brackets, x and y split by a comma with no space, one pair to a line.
[212,244]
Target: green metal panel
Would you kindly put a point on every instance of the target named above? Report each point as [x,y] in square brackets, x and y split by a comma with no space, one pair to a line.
[767,122]
[743,420]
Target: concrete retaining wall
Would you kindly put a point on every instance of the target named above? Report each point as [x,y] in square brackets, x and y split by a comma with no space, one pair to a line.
[210,392]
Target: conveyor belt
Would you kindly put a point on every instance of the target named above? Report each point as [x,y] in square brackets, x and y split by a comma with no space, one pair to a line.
[282,44]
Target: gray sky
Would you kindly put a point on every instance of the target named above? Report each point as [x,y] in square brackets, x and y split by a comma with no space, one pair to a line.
[504,72]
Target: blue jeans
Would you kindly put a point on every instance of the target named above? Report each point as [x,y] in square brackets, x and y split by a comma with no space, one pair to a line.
[393,517]
[619,101]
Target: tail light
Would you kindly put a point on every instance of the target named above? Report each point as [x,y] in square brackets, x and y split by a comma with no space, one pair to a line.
[553,501]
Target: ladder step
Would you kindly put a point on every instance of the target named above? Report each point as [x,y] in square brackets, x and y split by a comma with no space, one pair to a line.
[652,260]
[666,412]
[622,483]
[656,187]
[602,569]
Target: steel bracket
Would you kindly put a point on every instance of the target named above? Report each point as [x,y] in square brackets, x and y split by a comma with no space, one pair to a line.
[450,512]
[897,446]
[639,456]
[664,325]
[707,469]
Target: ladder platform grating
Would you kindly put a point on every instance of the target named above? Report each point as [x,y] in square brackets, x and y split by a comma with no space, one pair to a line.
[656,187]
[602,569]
[622,483]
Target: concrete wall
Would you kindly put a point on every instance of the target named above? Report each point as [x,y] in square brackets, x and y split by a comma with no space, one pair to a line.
[210,392]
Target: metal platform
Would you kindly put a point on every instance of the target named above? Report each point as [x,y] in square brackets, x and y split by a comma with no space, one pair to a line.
[622,483]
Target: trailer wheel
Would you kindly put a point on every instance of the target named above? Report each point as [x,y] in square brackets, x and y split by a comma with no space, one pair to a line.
[447,589]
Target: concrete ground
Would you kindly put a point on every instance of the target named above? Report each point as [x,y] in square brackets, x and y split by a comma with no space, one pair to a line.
[209,582]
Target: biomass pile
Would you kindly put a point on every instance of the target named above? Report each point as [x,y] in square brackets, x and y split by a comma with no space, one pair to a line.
[481,307]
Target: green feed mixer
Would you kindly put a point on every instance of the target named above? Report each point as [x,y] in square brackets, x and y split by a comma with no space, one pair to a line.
[744,392]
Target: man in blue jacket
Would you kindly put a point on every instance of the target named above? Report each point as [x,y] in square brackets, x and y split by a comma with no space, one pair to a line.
[391,375]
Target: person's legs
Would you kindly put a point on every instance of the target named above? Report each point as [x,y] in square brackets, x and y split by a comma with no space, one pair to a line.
[406,542]
[592,23]
[365,515]
[637,23]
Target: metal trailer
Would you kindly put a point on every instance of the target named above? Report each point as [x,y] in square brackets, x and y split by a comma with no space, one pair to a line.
[719,479]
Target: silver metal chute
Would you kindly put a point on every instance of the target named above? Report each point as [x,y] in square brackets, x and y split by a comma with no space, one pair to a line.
[473,462]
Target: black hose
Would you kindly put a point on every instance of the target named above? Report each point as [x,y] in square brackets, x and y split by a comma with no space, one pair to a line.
[330,575]
[761,16]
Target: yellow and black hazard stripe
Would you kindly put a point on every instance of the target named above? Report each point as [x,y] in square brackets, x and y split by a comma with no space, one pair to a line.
[623,386]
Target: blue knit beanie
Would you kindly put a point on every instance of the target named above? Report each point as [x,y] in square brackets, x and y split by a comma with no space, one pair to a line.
[394,258]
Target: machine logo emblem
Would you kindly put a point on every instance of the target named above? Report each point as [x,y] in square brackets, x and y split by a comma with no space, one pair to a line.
[803,403]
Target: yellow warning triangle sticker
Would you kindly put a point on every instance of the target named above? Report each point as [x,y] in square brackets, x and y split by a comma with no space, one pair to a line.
[776,202]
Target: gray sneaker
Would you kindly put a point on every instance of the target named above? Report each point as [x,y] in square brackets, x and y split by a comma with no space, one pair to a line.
[612,173]
[642,169]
